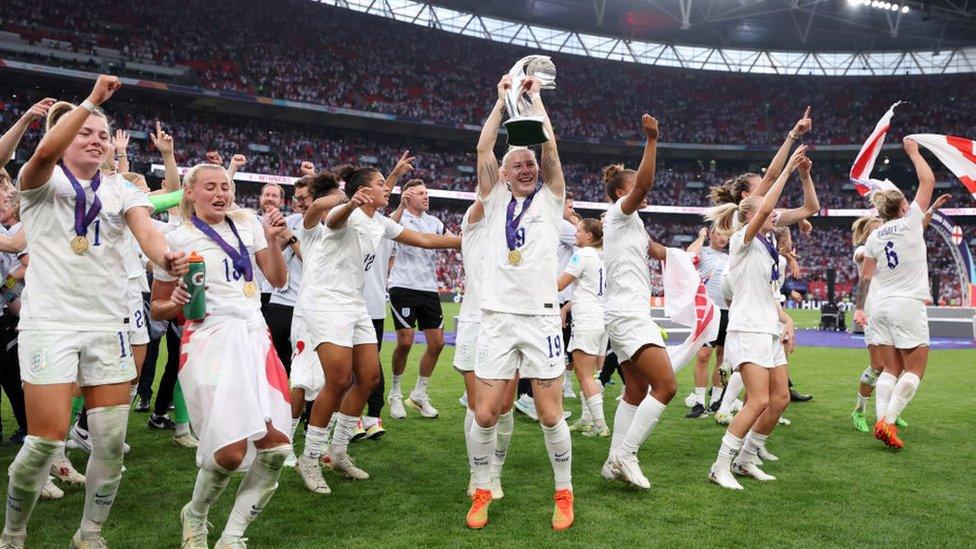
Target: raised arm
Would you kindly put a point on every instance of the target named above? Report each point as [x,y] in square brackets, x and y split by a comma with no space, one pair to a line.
[775,167]
[696,246]
[12,137]
[320,208]
[487,163]
[237,162]
[121,143]
[769,200]
[397,214]
[926,179]
[37,171]
[811,204]
[552,167]
[403,166]
[648,166]
[937,205]
[430,241]
[164,144]
[338,219]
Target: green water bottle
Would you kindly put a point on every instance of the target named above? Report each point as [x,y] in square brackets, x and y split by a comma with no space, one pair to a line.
[196,283]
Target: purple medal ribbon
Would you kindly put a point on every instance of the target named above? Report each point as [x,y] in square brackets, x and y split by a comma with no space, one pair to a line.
[774,253]
[84,215]
[512,220]
[239,257]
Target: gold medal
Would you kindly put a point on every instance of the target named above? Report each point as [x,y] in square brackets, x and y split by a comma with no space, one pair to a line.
[514,257]
[250,289]
[79,244]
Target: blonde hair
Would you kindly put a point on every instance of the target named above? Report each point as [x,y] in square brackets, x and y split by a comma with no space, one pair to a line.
[190,179]
[728,217]
[62,108]
[862,228]
[888,203]
[513,150]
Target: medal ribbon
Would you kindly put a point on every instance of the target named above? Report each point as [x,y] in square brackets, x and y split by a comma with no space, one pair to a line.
[774,253]
[239,257]
[84,215]
[512,220]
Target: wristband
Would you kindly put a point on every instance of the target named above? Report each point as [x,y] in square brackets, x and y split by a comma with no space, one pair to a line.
[292,240]
[88,105]
[793,135]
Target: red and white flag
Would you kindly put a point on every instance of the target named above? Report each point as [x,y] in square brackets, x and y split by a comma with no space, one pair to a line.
[864,163]
[686,303]
[957,153]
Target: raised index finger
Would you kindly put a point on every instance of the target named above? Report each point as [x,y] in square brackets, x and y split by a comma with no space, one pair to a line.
[806,113]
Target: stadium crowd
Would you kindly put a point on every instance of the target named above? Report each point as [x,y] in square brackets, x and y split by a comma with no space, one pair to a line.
[594,99]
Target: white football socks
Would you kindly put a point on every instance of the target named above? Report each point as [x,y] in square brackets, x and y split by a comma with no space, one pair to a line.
[503,437]
[732,389]
[315,439]
[559,445]
[28,473]
[752,444]
[344,429]
[716,395]
[420,389]
[731,445]
[882,393]
[700,395]
[106,427]
[395,388]
[901,395]
[211,481]
[622,420]
[594,405]
[646,418]
[256,489]
[481,448]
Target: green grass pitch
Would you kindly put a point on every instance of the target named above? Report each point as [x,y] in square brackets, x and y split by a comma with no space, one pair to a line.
[835,487]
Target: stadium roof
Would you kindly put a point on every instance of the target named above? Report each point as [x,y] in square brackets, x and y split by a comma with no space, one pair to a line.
[818,37]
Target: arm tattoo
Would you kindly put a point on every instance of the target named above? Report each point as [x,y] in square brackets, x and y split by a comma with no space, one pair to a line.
[549,165]
[489,173]
[862,293]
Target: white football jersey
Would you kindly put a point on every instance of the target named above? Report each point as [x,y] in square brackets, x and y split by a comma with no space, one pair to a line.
[416,268]
[528,288]
[472,257]
[567,245]
[377,274]
[287,294]
[588,288]
[899,249]
[336,279]
[628,278]
[66,291]
[225,286]
[754,304]
[711,265]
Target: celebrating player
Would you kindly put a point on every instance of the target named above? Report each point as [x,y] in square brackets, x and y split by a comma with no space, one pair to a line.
[235,386]
[74,317]
[520,326]
[895,260]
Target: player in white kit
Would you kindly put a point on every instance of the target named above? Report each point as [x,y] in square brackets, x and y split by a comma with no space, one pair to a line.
[860,231]
[334,309]
[74,319]
[414,301]
[711,264]
[520,326]
[586,275]
[235,386]
[895,271]
[634,336]
[754,343]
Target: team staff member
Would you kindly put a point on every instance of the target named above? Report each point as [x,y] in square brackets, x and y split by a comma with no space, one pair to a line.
[414,301]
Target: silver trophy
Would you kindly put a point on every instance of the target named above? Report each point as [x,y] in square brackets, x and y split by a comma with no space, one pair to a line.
[525,128]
